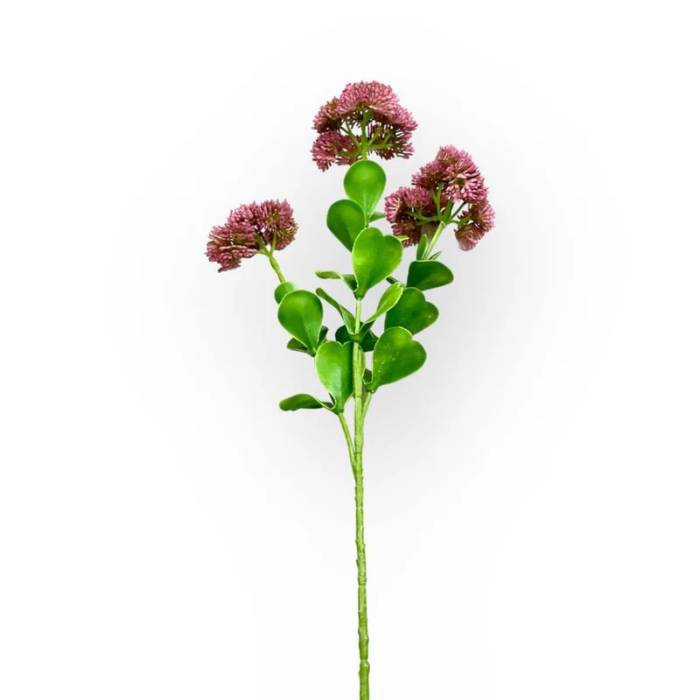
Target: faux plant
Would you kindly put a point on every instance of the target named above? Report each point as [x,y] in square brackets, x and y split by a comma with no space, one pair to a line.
[365,121]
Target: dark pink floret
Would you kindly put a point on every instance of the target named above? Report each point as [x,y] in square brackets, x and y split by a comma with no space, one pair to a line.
[387,125]
[247,229]
[454,173]
[408,210]
[474,223]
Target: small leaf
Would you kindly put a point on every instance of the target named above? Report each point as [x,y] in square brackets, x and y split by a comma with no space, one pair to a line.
[412,312]
[345,219]
[364,183]
[296,346]
[333,275]
[387,301]
[301,314]
[376,216]
[294,403]
[396,355]
[348,318]
[374,257]
[422,247]
[367,338]
[281,290]
[428,274]
[334,369]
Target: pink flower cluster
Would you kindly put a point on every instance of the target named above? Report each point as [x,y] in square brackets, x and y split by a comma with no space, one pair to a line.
[247,229]
[411,212]
[366,117]
[453,181]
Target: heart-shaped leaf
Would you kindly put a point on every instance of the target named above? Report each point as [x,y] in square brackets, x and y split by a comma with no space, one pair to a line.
[428,274]
[294,403]
[412,312]
[396,355]
[345,219]
[301,313]
[387,301]
[374,257]
[367,339]
[364,183]
[334,369]
[281,290]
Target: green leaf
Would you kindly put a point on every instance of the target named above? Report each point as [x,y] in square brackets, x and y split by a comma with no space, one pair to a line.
[334,369]
[364,183]
[296,346]
[294,403]
[345,219]
[412,312]
[376,216]
[301,314]
[396,355]
[422,247]
[333,275]
[428,274]
[387,301]
[367,338]
[374,257]
[281,290]
[348,318]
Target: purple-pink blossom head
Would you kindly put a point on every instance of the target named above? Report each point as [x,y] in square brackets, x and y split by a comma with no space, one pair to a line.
[250,228]
[365,118]
[454,173]
[448,190]
[474,223]
[411,211]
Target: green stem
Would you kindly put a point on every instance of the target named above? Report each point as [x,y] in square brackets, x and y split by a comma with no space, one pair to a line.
[275,265]
[360,406]
[433,240]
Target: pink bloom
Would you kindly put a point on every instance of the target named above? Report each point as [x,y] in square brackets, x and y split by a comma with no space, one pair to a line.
[474,223]
[454,173]
[333,147]
[247,229]
[407,210]
[387,125]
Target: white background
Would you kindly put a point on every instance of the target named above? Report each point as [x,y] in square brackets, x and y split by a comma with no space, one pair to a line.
[532,494]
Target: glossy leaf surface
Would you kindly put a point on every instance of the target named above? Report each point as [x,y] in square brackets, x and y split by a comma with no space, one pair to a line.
[281,290]
[387,301]
[412,312]
[294,403]
[334,369]
[428,274]
[345,219]
[374,257]
[367,340]
[301,314]
[396,355]
[364,183]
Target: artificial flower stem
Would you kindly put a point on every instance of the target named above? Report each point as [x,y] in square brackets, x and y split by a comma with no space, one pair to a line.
[275,266]
[358,398]
[433,240]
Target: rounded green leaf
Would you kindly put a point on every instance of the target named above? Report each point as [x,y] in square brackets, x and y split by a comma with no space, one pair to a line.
[412,312]
[294,403]
[428,274]
[396,355]
[334,369]
[374,257]
[281,290]
[345,219]
[387,301]
[364,183]
[301,313]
